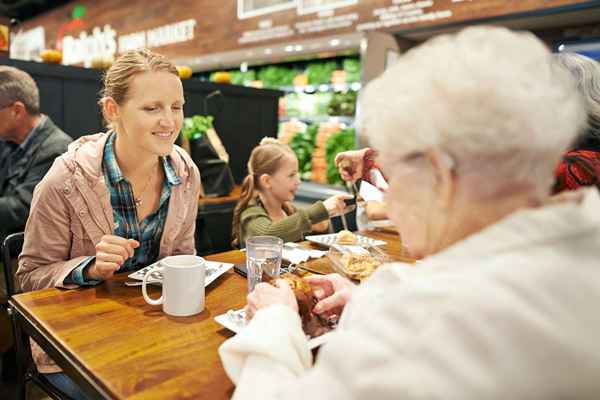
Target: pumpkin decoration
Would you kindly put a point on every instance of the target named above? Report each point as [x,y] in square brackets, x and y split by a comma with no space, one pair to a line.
[184,71]
[222,77]
[102,62]
[51,56]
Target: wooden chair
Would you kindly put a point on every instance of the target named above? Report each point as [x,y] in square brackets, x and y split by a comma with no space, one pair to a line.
[26,369]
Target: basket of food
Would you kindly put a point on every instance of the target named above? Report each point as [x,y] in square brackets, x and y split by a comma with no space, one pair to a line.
[356,262]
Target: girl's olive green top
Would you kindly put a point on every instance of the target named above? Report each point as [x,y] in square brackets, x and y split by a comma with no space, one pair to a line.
[255,221]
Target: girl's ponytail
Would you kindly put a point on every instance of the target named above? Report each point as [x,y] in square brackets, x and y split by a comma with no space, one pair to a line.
[245,197]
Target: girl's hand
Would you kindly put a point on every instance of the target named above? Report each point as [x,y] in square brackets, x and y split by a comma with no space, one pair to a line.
[265,295]
[321,227]
[335,204]
[111,252]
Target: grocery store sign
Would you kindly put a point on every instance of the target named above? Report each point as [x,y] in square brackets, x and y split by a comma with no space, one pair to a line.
[27,45]
[178,32]
[103,42]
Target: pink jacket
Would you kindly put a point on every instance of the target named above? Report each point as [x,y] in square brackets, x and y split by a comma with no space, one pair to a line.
[71,211]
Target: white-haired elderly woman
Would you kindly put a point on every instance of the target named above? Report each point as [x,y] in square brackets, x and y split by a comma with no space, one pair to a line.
[505,302]
[580,166]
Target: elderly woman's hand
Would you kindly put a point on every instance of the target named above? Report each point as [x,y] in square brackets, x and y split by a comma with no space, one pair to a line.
[265,295]
[352,163]
[333,292]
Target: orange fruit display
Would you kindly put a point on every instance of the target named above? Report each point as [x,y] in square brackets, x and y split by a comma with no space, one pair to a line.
[51,56]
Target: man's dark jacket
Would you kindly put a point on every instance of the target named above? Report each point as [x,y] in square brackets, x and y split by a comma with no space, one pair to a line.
[20,174]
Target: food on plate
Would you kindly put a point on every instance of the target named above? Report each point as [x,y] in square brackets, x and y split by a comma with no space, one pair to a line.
[312,324]
[346,237]
[359,266]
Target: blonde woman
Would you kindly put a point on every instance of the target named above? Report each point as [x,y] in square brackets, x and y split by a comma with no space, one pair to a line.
[119,200]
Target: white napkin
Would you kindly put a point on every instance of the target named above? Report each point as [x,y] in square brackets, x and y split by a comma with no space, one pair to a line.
[369,192]
[296,254]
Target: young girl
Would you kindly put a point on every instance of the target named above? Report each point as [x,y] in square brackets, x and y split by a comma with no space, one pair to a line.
[265,206]
[115,201]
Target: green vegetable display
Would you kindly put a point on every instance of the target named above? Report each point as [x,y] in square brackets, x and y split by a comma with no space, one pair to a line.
[343,103]
[342,141]
[274,76]
[352,68]
[196,126]
[241,78]
[303,144]
[320,72]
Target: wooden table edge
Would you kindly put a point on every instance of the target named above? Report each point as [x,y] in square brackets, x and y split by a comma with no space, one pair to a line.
[68,363]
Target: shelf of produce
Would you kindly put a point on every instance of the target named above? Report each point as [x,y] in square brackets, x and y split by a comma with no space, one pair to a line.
[341,87]
[320,118]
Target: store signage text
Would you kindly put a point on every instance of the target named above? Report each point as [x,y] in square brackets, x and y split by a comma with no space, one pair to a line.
[103,42]
[28,45]
[163,35]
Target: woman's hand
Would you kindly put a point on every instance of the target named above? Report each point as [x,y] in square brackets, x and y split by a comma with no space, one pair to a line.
[351,163]
[335,204]
[111,252]
[332,292]
[376,210]
[265,295]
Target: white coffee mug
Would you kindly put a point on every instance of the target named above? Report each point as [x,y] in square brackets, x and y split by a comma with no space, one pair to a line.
[182,286]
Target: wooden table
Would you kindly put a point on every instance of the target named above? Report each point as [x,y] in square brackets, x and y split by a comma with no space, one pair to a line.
[114,345]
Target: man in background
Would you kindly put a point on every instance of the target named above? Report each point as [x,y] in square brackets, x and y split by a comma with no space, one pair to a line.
[29,144]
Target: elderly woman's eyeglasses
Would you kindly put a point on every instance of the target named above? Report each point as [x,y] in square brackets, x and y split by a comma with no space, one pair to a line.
[7,105]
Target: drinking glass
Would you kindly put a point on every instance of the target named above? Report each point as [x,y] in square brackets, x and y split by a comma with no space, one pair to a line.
[263,256]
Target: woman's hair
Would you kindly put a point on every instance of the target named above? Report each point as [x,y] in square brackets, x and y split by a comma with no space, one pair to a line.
[490,98]
[587,75]
[117,80]
[265,158]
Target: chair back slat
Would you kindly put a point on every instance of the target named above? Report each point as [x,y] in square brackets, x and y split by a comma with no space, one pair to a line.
[11,248]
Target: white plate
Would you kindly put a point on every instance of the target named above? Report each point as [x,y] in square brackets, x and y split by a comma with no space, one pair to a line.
[235,321]
[213,271]
[329,239]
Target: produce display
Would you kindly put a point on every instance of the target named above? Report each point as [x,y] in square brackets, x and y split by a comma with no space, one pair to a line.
[317,111]
[333,71]
[303,144]
[319,160]
[342,141]
[320,72]
[342,103]
[352,68]
[221,77]
[196,126]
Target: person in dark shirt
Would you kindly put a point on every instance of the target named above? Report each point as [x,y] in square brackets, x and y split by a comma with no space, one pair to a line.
[580,166]
[29,143]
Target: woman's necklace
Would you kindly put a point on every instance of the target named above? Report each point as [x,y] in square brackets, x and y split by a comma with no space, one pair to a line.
[138,199]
